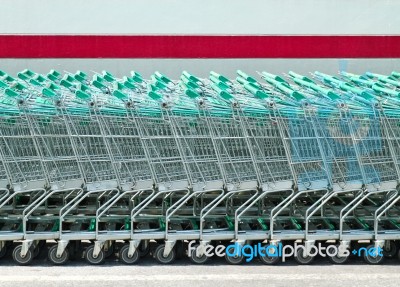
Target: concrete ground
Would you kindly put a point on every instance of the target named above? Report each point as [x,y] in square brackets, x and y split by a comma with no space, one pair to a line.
[185,274]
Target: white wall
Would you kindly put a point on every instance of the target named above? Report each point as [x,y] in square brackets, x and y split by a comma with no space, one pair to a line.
[200,16]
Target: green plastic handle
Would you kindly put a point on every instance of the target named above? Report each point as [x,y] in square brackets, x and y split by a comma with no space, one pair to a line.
[53,86]
[10,93]
[222,93]
[136,77]
[81,74]
[192,85]
[241,80]
[189,83]
[219,83]
[19,87]
[98,85]
[246,77]
[66,84]
[118,86]
[274,77]
[191,77]
[51,77]
[3,85]
[48,93]
[255,91]
[162,77]
[120,95]
[160,85]
[55,73]
[79,78]
[317,88]
[34,82]
[129,84]
[84,88]
[301,77]
[220,77]
[383,78]
[191,94]
[395,74]
[40,79]
[152,88]
[109,78]
[8,78]
[360,81]
[23,76]
[69,78]
[82,95]
[154,95]
[380,89]
[98,78]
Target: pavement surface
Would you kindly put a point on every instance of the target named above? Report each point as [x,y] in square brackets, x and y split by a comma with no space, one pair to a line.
[183,273]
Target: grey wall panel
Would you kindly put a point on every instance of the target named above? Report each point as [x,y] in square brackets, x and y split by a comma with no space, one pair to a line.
[201,67]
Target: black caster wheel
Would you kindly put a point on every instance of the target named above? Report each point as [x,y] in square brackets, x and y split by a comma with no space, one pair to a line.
[234,260]
[22,260]
[303,260]
[373,259]
[268,259]
[390,249]
[197,259]
[338,259]
[125,258]
[159,255]
[58,260]
[89,256]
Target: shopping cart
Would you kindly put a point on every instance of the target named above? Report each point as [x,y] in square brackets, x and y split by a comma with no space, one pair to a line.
[121,162]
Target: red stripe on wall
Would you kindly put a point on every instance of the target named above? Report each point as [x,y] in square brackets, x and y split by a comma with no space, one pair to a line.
[185,46]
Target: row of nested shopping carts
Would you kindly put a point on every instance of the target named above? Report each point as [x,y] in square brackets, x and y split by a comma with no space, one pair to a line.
[135,163]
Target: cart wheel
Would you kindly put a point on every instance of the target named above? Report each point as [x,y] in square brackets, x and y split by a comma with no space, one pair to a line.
[125,258]
[197,259]
[269,260]
[372,259]
[22,260]
[303,260]
[90,257]
[234,260]
[58,260]
[390,249]
[159,255]
[338,259]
